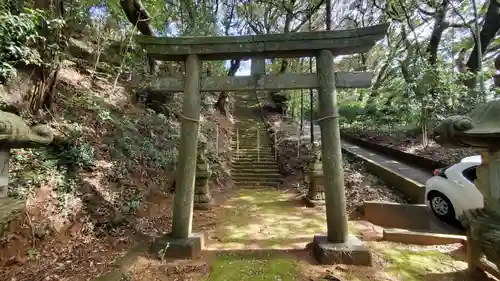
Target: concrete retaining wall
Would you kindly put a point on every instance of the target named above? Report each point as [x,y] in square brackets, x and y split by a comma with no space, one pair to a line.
[405,216]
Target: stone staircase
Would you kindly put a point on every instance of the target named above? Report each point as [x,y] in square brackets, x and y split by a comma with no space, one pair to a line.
[254,162]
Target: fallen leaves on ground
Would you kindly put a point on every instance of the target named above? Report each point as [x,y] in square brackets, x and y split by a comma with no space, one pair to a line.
[411,142]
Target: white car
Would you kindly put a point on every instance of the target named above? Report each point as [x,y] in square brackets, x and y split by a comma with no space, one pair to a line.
[451,190]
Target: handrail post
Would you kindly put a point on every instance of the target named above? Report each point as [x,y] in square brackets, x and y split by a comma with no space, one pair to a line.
[258,144]
[275,148]
[237,143]
[298,141]
[217,140]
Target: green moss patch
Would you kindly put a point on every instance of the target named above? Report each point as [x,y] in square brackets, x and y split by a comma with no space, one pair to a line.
[411,265]
[252,268]
[263,218]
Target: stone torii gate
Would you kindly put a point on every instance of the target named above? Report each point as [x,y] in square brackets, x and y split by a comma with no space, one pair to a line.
[337,246]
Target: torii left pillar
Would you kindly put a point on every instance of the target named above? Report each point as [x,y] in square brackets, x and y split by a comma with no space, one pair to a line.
[181,243]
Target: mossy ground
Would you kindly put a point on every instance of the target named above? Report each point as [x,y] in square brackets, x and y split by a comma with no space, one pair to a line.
[263,235]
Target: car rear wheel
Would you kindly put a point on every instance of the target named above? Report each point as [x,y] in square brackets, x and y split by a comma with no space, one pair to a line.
[442,207]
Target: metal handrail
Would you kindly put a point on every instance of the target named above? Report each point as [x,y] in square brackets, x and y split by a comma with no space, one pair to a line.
[276,143]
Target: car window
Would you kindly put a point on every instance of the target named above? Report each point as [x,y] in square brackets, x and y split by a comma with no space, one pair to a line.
[470,173]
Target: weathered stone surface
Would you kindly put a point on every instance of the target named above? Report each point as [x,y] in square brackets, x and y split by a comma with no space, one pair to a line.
[179,248]
[182,218]
[15,133]
[351,252]
[293,44]
[4,173]
[316,194]
[421,238]
[331,150]
[481,129]
[202,196]
[279,82]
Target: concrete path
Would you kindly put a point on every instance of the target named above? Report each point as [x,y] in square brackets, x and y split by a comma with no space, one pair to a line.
[406,170]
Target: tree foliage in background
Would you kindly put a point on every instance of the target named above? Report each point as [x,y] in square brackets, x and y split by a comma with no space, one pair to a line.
[424,69]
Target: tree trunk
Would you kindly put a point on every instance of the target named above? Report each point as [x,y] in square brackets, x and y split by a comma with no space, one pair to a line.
[491,26]
[138,16]
[437,33]
[47,76]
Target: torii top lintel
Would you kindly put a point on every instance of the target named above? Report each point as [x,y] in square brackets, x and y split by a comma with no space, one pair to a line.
[297,44]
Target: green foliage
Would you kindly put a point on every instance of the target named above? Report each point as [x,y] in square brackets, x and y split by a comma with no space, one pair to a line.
[18,34]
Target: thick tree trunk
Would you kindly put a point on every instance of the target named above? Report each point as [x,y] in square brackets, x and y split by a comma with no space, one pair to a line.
[490,28]
[437,33]
[139,17]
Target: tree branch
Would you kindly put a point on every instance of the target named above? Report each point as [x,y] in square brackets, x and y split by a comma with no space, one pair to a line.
[314,9]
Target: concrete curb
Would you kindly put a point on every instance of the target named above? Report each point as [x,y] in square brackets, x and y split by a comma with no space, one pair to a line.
[421,238]
[416,217]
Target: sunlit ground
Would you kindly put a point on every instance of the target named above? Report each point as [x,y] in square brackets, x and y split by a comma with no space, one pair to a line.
[264,219]
[261,235]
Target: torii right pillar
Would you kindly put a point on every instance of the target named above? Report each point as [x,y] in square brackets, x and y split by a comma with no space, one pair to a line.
[337,247]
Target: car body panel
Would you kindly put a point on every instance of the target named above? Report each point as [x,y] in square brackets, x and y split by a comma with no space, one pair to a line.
[461,192]
[474,158]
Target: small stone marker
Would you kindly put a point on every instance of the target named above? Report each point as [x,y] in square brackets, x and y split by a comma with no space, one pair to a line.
[202,197]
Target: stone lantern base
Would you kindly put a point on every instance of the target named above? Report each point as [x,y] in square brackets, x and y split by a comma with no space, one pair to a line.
[316,194]
[202,197]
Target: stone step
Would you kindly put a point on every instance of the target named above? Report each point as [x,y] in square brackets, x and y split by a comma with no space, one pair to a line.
[264,170]
[249,164]
[251,129]
[253,184]
[253,148]
[252,145]
[250,151]
[255,178]
[250,137]
[255,160]
[253,155]
[240,175]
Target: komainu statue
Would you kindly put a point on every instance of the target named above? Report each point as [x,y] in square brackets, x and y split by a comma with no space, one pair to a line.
[15,133]
[480,129]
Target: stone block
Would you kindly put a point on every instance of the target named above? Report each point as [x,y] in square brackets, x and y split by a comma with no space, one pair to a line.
[422,238]
[179,248]
[4,173]
[313,202]
[351,252]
